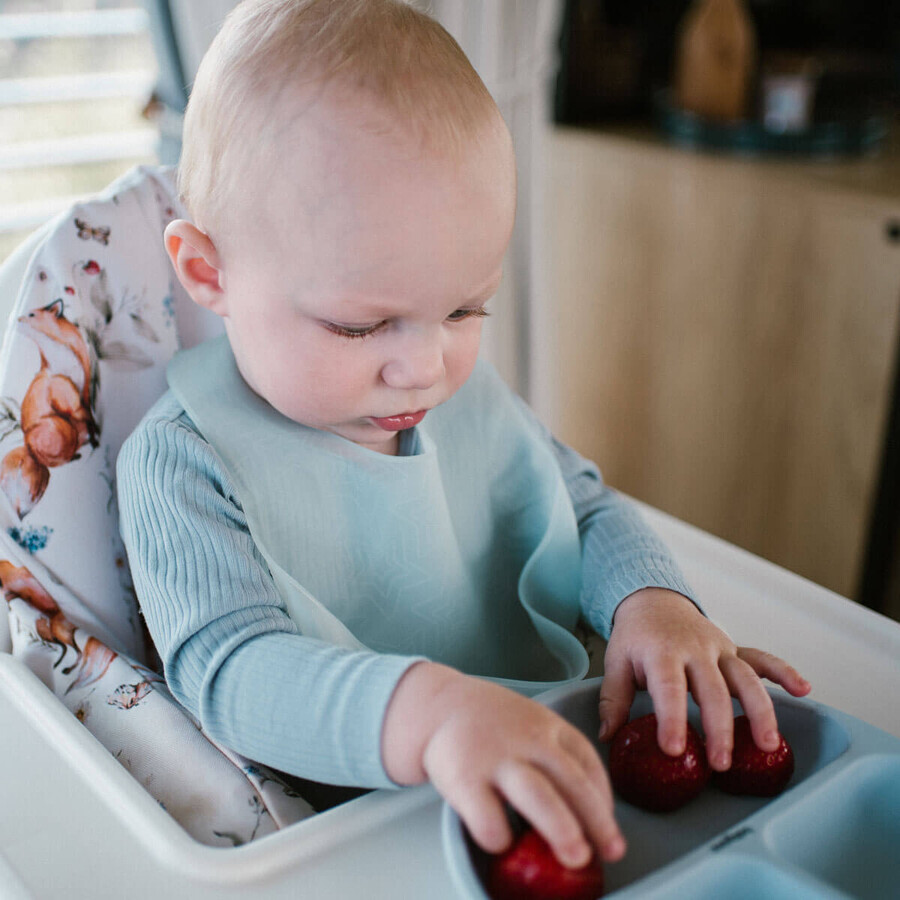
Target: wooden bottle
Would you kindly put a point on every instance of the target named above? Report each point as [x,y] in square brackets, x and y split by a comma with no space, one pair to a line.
[715,59]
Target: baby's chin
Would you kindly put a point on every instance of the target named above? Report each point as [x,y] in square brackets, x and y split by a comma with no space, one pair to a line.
[365,434]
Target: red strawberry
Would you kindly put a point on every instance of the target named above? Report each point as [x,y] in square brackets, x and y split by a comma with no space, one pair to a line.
[530,871]
[754,771]
[646,776]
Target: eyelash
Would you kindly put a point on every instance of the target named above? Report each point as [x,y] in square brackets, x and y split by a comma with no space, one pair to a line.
[478,312]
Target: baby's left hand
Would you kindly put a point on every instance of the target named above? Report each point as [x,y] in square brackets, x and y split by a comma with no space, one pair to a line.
[661,641]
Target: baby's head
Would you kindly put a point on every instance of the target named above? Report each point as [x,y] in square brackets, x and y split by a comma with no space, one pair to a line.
[352,187]
[392,69]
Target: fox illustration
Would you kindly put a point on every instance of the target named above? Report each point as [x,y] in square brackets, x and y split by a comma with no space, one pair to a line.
[57,417]
[91,661]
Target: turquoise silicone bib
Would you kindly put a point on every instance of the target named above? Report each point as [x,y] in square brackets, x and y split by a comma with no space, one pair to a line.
[466,551]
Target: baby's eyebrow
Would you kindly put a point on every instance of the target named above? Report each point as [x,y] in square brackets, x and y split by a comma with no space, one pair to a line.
[357,307]
[488,291]
[485,295]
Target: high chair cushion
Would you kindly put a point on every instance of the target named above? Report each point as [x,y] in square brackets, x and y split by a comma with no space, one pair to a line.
[98,316]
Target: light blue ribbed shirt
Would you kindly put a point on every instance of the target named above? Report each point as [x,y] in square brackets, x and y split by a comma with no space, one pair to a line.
[235,658]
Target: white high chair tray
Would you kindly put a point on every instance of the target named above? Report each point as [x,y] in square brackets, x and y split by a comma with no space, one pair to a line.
[75,823]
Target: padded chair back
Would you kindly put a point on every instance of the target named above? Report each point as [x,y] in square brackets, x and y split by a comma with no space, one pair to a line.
[97,316]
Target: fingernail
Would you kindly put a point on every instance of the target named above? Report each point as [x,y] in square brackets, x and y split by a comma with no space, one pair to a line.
[578,856]
[604,730]
[614,849]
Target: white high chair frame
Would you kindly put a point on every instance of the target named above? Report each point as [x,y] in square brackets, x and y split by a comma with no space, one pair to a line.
[76,822]
[96,318]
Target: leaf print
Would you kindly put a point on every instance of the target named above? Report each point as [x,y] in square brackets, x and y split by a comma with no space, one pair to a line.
[83,711]
[125,357]
[100,297]
[150,677]
[10,417]
[30,538]
[258,810]
[143,328]
[233,836]
[93,338]
[261,777]
[169,308]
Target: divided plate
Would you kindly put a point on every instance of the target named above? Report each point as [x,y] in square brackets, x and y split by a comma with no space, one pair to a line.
[834,832]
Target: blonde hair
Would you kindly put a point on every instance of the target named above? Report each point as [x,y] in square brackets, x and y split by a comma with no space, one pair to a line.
[384,51]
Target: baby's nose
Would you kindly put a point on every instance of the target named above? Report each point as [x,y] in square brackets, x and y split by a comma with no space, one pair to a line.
[417,364]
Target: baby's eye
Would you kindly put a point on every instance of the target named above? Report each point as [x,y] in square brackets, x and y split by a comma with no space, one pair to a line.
[350,331]
[478,312]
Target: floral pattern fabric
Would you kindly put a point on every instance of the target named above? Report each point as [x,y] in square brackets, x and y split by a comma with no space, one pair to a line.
[98,316]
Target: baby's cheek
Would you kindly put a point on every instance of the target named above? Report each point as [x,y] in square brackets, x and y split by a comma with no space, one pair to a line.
[335,387]
[461,360]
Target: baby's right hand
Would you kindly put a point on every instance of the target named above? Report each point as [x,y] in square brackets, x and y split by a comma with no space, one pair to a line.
[481,744]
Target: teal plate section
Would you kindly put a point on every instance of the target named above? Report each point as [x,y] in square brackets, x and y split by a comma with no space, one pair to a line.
[833,833]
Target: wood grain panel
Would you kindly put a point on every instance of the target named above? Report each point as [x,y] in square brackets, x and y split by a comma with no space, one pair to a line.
[724,340]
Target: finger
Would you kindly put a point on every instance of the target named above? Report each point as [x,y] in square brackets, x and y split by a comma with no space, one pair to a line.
[534,795]
[589,791]
[745,684]
[483,813]
[711,692]
[667,684]
[776,670]
[585,754]
[616,695]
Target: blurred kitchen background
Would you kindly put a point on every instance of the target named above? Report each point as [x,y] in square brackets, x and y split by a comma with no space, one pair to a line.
[703,293]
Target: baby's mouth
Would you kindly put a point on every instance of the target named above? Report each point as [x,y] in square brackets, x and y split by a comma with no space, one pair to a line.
[400,422]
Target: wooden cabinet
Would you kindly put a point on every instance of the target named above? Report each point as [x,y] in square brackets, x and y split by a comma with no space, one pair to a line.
[721,335]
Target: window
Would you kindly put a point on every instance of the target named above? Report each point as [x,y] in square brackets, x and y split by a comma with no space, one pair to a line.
[74,78]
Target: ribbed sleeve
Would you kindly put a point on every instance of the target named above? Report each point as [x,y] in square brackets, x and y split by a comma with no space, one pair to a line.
[232,655]
[620,553]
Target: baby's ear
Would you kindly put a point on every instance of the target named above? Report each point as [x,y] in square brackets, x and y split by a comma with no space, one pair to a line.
[196,263]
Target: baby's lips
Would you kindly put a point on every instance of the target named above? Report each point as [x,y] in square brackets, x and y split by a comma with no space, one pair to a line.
[400,422]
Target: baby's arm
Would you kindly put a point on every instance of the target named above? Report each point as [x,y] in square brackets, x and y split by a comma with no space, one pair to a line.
[233,657]
[481,744]
[238,662]
[661,641]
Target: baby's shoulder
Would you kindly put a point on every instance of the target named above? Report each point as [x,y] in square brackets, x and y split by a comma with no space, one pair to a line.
[166,415]
[164,432]
[166,444]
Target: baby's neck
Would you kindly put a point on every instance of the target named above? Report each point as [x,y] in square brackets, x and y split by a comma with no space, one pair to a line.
[392,447]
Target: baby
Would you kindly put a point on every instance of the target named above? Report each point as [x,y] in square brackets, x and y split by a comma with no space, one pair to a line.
[357,552]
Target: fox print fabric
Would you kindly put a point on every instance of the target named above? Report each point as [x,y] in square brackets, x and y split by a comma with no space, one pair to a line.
[98,317]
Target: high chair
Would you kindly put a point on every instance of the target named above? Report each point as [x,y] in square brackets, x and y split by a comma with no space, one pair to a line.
[107,787]
[95,315]
[114,789]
